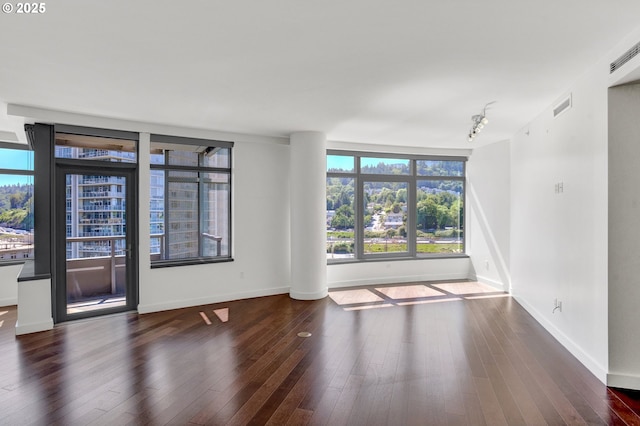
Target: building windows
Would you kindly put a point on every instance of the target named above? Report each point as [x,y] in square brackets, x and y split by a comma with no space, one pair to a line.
[381,206]
[190,206]
[16,202]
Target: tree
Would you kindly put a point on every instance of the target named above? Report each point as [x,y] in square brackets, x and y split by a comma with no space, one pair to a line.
[17,200]
[343,218]
[442,216]
[427,214]
[401,195]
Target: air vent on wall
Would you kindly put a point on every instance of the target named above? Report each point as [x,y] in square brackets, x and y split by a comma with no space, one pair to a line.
[562,106]
[626,57]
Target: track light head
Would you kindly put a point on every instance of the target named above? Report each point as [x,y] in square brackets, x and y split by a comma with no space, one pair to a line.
[478,122]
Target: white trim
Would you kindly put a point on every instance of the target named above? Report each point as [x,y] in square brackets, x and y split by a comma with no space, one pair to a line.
[12,301]
[317,295]
[492,282]
[591,364]
[625,381]
[34,327]
[186,303]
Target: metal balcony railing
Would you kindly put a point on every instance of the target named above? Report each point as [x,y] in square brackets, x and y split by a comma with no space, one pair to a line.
[83,272]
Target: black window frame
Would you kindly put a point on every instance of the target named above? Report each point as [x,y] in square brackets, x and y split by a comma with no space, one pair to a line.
[411,178]
[208,144]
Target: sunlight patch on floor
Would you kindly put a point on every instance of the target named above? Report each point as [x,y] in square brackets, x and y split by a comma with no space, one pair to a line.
[466,288]
[222,314]
[205,318]
[421,302]
[412,294]
[409,291]
[348,297]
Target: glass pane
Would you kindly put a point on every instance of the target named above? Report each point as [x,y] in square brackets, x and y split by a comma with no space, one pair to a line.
[385,217]
[96,242]
[16,217]
[183,158]
[215,214]
[216,157]
[340,163]
[157,156]
[189,214]
[182,221]
[440,217]
[95,148]
[385,166]
[157,215]
[439,168]
[16,159]
[340,218]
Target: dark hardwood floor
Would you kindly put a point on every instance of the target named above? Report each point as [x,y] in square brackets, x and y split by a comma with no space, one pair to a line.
[398,358]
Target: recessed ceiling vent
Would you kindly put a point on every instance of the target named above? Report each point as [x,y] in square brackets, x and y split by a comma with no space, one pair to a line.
[562,106]
[626,57]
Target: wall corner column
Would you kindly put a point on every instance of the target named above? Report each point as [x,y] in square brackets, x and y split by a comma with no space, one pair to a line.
[308,216]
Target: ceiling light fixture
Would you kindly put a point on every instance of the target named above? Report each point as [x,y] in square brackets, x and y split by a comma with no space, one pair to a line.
[478,122]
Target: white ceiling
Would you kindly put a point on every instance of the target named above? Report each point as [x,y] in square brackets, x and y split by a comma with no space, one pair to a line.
[405,72]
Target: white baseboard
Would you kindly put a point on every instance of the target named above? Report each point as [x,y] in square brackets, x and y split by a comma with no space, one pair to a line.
[625,381]
[576,350]
[394,280]
[185,303]
[309,296]
[8,302]
[33,327]
[493,283]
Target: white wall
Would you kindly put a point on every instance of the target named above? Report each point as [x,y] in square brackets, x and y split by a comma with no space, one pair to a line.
[488,214]
[559,240]
[624,234]
[9,284]
[260,238]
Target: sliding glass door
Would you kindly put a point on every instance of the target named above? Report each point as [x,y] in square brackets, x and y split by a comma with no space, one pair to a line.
[95,267]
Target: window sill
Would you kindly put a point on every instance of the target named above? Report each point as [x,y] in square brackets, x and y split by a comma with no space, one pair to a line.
[395,259]
[12,262]
[28,273]
[187,262]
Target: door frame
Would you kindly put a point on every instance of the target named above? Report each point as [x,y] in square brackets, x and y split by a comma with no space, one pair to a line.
[59,280]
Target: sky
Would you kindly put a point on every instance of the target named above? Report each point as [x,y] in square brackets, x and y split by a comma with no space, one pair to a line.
[15,159]
[339,162]
[346,163]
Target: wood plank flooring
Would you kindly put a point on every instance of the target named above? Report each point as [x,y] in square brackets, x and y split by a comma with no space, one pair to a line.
[408,356]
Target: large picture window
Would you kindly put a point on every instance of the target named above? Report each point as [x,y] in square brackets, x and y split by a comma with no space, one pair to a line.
[394,206]
[190,207]
[16,203]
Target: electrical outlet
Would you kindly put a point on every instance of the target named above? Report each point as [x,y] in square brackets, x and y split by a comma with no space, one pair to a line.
[486,264]
[557,306]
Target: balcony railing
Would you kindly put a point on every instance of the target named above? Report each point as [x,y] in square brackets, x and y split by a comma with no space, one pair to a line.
[102,271]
